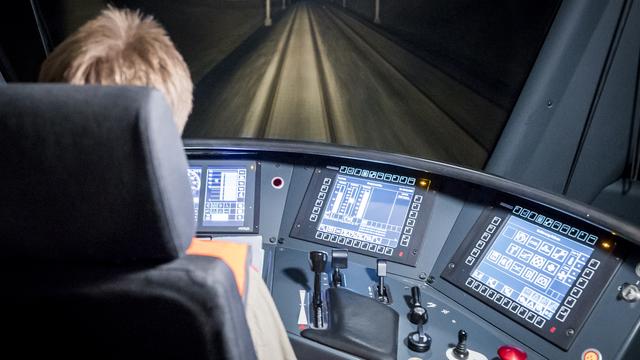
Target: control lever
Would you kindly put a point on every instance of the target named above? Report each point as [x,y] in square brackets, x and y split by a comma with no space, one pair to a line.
[460,351]
[418,340]
[318,262]
[339,260]
[381,270]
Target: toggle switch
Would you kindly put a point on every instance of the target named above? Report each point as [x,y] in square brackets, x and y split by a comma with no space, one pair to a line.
[382,290]
[339,260]
[318,260]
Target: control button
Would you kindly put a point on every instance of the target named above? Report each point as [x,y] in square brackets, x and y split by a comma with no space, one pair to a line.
[356,243]
[508,352]
[582,283]
[491,229]
[380,249]
[506,303]
[321,195]
[372,247]
[470,282]
[630,293]
[484,290]
[591,240]
[477,286]
[417,198]
[349,242]
[570,301]
[591,354]
[539,322]
[334,238]
[415,206]
[475,252]
[485,236]
[318,203]
[588,273]
[496,220]
[388,251]
[593,263]
[324,188]
[499,298]
[523,312]
[318,235]
[575,292]
[531,317]
[411,222]
[480,244]
[413,214]
[470,260]
[563,313]
[341,240]
[326,236]
[313,218]
[491,294]
[408,230]
[326,181]
[316,210]
[514,308]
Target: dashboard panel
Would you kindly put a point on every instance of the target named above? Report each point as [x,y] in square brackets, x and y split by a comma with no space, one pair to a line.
[508,264]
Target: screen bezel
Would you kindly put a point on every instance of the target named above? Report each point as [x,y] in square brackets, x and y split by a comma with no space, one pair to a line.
[458,272]
[250,225]
[305,229]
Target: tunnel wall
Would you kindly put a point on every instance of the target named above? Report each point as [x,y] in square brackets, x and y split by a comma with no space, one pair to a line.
[489,48]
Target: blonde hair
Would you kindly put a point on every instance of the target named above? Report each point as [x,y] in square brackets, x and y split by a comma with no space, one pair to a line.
[121,47]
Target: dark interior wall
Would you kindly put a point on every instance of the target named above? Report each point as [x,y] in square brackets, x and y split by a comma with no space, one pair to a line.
[489,45]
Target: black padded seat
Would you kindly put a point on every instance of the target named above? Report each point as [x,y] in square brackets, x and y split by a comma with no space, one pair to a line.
[96,214]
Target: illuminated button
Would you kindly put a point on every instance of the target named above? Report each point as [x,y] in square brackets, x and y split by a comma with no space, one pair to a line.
[316,210]
[588,273]
[524,212]
[563,313]
[388,251]
[321,196]
[470,282]
[582,236]
[411,222]
[334,238]
[380,249]
[582,283]
[318,203]
[364,245]
[485,236]
[356,243]
[415,206]
[517,210]
[373,247]
[539,322]
[341,240]
[523,312]
[484,290]
[514,308]
[569,301]
[417,198]
[313,218]
[531,317]
[499,298]
[491,294]
[575,292]
[507,352]
[324,188]
[413,214]
[591,354]
[475,252]
[349,242]
[326,181]
[404,242]
[326,236]
[593,263]
[480,244]
[477,286]
[506,302]
[470,260]
[592,239]
[408,230]
[318,235]
[496,220]
[491,229]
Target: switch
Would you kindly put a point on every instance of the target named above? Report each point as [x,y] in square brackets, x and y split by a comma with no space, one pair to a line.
[460,351]
[381,270]
[508,352]
[339,260]
[418,340]
[318,261]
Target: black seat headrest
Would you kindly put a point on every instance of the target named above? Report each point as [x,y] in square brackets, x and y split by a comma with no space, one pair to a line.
[91,174]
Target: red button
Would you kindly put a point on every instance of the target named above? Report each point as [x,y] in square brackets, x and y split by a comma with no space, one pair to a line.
[507,352]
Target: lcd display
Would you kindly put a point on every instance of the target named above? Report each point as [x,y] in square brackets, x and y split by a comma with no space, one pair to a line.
[366,210]
[195,178]
[532,266]
[225,196]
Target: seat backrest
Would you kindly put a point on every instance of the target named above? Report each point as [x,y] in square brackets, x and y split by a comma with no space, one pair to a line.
[96,215]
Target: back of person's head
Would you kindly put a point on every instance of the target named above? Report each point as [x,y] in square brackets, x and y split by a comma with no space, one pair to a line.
[121,47]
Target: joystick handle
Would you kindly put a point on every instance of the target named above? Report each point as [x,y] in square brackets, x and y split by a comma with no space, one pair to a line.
[415,296]
[460,351]
[318,261]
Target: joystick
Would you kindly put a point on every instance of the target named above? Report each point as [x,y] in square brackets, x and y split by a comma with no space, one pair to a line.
[418,340]
[339,260]
[381,270]
[460,351]
[318,261]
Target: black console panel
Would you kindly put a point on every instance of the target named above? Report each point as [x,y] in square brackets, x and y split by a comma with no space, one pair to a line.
[495,266]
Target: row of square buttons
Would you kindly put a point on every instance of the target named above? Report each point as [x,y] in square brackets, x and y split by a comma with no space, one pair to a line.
[364,245]
[577,290]
[483,240]
[320,200]
[506,303]
[556,225]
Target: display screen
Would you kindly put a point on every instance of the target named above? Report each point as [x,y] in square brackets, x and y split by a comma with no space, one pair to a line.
[225,196]
[195,178]
[367,210]
[532,266]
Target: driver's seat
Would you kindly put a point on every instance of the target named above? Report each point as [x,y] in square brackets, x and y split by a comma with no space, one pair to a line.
[95,214]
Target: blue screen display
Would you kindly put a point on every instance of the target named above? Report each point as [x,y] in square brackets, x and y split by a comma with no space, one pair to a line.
[367,210]
[532,265]
[225,196]
[195,178]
